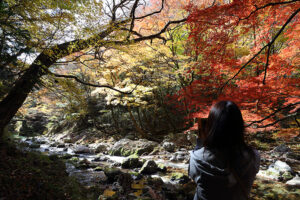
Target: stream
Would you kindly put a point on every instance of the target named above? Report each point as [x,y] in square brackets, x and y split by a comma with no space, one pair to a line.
[87,175]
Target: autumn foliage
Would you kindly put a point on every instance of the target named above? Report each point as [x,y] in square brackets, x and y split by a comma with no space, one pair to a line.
[246,51]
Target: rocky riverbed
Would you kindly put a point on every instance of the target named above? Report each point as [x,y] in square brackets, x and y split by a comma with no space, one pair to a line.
[141,169]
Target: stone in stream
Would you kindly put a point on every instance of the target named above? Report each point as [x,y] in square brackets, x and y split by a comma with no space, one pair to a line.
[66,156]
[295,182]
[279,171]
[131,162]
[282,149]
[82,149]
[34,146]
[149,167]
[169,146]
[112,174]
[100,158]
[126,147]
[61,145]
[99,147]
[180,156]
[41,142]
[161,167]
[180,178]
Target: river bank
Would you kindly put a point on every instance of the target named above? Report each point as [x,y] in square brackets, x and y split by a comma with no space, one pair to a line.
[142,169]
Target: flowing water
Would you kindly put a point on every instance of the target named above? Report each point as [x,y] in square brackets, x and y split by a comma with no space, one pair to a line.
[88,176]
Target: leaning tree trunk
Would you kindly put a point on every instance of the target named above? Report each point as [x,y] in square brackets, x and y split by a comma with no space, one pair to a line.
[18,94]
[23,86]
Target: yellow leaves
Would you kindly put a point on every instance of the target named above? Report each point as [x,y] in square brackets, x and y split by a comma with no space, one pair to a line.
[138,184]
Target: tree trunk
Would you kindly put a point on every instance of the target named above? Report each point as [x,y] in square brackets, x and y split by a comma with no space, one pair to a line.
[23,86]
[17,95]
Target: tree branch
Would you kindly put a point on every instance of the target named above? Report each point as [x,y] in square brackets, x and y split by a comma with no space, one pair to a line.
[259,52]
[279,120]
[271,115]
[91,84]
[267,5]
[155,12]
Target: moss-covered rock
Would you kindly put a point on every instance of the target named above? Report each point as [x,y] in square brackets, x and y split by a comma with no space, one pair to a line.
[126,147]
[132,162]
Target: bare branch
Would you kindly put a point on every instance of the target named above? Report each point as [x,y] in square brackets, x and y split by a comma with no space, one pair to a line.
[91,84]
[153,13]
[281,119]
[271,115]
[267,5]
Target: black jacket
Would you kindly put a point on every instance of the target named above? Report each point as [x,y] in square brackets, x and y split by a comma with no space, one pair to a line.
[215,180]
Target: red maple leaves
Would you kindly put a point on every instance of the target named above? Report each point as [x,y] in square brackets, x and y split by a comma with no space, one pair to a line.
[247,51]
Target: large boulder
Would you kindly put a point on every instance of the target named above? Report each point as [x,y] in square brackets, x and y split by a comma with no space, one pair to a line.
[127,147]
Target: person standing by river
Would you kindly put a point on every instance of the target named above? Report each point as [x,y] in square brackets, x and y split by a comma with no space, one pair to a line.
[222,165]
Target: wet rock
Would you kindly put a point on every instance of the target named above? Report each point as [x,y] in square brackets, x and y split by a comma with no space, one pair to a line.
[125,180]
[66,156]
[82,149]
[295,182]
[99,168]
[68,140]
[149,167]
[84,164]
[292,155]
[279,171]
[89,178]
[126,147]
[61,145]
[180,178]
[34,146]
[180,156]
[112,174]
[100,158]
[65,149]
[192,137]
[282,149]
[99,147]
[131,162]
[161,167]
[54,144]
[41,142]
[169,146]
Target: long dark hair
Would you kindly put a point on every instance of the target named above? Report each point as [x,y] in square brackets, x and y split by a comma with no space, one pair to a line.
[225,129]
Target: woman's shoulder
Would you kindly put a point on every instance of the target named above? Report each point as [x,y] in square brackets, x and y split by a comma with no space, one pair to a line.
[208,156]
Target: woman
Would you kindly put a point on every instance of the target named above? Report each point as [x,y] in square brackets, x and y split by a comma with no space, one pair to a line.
[225,167]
